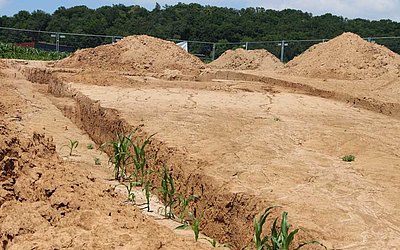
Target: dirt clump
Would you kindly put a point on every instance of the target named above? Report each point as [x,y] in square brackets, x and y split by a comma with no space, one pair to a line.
[241,59]
[347,56]
[139,54]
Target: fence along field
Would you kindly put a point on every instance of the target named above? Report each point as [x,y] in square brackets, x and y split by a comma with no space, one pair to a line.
[285,50]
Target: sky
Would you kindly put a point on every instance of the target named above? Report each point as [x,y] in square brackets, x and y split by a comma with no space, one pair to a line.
[367,9]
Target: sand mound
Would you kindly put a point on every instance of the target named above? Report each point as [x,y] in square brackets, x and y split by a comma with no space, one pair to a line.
[347,56]
[241,59]
[139,54]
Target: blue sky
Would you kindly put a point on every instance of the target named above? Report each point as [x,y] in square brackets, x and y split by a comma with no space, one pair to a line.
[369,9]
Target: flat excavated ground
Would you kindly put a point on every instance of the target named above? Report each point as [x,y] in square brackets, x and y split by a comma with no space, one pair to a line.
[281,146]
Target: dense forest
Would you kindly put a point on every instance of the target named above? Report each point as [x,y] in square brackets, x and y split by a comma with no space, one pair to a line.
[195,22]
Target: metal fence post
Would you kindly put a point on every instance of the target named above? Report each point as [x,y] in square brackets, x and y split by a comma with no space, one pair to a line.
[213,52]
[58,41]
[282,49]
[247,45]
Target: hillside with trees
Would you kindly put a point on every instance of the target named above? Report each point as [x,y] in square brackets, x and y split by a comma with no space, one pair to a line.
[193,22]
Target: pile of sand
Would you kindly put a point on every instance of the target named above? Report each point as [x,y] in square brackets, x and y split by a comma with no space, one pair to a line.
[137,54]
[347,56]
[241,59]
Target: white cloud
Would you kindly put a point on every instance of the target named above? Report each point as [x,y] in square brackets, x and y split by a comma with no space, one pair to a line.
[370,9]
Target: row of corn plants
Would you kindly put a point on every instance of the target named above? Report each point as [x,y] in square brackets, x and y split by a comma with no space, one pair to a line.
[11,51]
[180,207]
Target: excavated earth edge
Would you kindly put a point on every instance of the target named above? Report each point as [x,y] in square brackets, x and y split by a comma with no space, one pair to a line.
[368,103]
[226,216]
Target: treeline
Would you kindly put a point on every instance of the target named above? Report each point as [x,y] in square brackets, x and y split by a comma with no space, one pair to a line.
[194,22]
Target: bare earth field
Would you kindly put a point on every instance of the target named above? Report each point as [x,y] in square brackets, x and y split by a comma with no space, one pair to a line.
[261,142]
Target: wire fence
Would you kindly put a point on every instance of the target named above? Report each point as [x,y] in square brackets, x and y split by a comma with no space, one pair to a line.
[285,50]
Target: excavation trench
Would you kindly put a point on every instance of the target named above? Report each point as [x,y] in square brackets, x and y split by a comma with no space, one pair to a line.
[226,216]
[365,102]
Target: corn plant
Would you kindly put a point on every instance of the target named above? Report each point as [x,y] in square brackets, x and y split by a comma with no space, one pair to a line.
[167,192]
[194,223]
[259,241]
[214,243]
[129,188]
[147,193]
[184,204]
[72,144]
[140,158]
[89,146]
[281,238]
[121,156]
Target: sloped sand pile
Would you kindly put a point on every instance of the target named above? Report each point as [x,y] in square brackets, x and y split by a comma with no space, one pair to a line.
[241,59]
[347,56]
[138,54]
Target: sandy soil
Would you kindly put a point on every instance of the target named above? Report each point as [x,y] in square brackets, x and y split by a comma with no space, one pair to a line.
[50,200]
[280,146]
[347,56]
[241,59]
[252,139]
[139,54]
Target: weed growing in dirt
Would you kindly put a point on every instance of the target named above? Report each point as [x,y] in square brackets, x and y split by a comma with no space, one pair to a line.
[121,156]
[349,158]
[168,192]
[277,119]
[90,146]
[281,238]
[97,161]
[72,144]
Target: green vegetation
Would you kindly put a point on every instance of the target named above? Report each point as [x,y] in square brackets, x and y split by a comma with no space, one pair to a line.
[281,238]
[193,222]
[349,158]
[167,192]
[90,146]
[120,156]
[139,159]
[72,144]
[97,161]
[11,51]
[195,22]
[147,194]
[129,188]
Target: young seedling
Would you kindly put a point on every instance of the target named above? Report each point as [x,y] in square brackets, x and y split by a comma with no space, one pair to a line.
[97,161]
[348,158]
[140,158]
[259,241]
[121,156]
[147,193]
[90,146]
[194,223]
[168,192]
[281,238]
[130,189]
[72,144]
[214,243]
[184,204]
